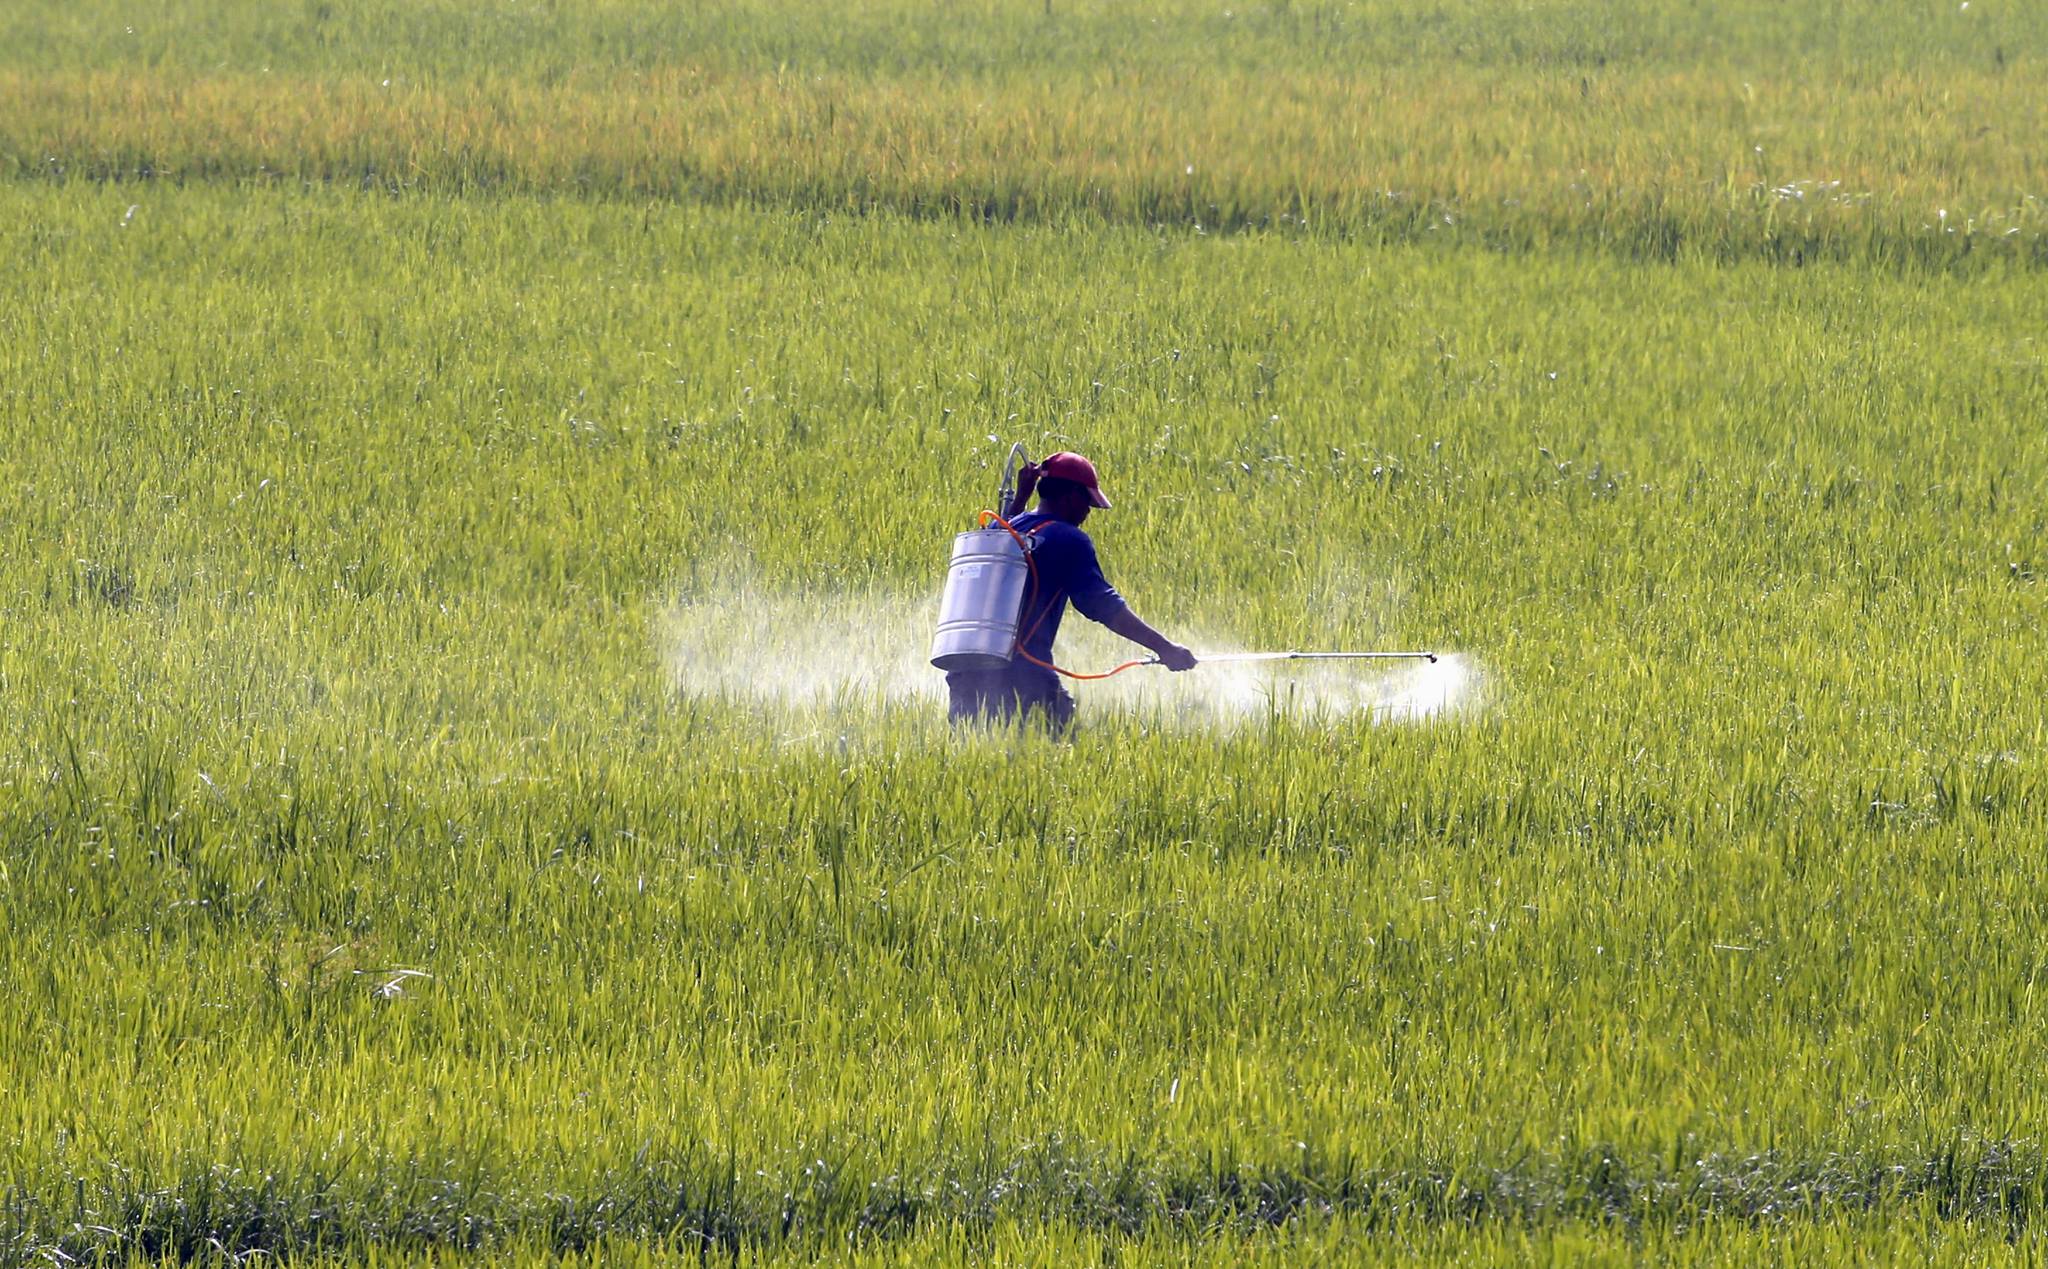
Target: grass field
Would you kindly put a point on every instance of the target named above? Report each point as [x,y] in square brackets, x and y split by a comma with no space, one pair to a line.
[468,787]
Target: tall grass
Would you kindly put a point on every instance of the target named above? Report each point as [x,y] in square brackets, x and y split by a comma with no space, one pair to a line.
[417,845]
[338,539]
[1783,132]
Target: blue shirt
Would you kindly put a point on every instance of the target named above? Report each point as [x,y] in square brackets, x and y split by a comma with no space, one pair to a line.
[1067,569]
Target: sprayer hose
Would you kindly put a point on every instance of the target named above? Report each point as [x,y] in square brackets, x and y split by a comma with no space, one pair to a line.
[990,517]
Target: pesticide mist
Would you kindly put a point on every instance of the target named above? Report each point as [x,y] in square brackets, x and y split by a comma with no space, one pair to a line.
[803,652]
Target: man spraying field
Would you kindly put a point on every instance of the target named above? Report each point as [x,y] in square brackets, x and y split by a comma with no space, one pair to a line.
[1065,569]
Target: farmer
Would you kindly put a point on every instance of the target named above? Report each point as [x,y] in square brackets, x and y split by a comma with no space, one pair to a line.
[1064,561]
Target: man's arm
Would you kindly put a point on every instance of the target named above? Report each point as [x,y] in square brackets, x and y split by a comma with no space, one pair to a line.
[1027,480]
[1098,601]
[1132,627]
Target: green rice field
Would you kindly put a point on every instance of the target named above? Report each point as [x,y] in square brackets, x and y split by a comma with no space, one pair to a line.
[477,480]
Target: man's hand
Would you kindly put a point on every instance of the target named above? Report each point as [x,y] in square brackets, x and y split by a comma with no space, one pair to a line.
[1176,658]
[1027,480]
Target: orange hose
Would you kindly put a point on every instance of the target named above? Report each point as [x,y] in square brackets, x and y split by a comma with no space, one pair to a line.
[990,517]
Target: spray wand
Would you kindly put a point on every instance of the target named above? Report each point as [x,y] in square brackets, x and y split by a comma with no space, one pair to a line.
[1238,658]
[1214,658]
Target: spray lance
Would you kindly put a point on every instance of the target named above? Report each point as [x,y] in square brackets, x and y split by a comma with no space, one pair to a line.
[992,581]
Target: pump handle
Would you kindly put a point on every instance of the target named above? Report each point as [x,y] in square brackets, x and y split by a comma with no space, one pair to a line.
[1017,460]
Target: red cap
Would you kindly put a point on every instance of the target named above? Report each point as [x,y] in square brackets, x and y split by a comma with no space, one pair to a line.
[1073,467]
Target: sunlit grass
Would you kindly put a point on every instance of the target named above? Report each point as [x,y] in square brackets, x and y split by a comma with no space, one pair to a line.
[468,784]
[1639,131]
[336,647]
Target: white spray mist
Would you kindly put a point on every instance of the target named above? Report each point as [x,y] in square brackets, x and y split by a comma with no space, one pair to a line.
[808,651]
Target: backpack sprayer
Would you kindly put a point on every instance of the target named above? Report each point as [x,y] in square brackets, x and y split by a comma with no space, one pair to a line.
[990,585]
